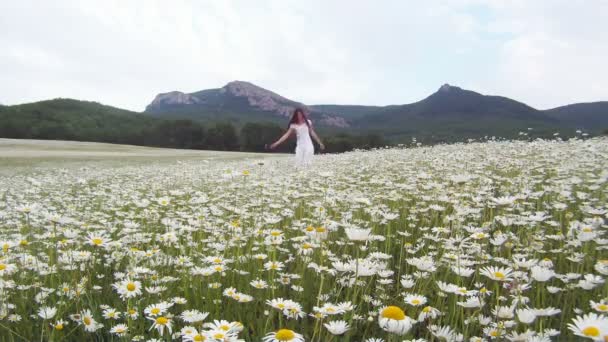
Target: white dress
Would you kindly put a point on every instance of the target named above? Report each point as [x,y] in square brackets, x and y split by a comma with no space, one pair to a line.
[304,147]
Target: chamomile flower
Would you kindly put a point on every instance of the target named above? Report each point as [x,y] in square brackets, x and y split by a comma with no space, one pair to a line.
[591,325]
[394,320]
[283,335]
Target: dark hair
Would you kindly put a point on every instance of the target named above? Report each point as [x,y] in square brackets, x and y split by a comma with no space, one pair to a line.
[294,117]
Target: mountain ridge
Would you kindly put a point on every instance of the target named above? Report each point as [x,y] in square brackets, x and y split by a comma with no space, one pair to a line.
[245,101]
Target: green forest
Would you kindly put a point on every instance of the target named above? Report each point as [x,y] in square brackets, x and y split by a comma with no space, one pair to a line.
[66,119]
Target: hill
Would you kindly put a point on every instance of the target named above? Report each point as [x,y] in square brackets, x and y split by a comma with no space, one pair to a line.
[451,113]
[237,101]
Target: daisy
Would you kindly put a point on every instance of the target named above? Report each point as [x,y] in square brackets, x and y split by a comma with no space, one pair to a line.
[415,300]
[590,325]
[46,312]
[394,320]
[193,316]
[358,234]
[119,330]
[497,273]
[600,307]
[90,325]
[541,274]
[160,323]
[283,335]
[128,288]
[337,327]
[157,309]
[59,325]
[259,284]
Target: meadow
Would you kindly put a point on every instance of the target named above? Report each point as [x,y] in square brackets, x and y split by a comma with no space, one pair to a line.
[496,240]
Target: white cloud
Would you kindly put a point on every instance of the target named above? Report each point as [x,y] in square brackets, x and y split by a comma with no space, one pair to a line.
[124,52]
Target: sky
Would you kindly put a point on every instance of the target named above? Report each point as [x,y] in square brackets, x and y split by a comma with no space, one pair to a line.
[545,53]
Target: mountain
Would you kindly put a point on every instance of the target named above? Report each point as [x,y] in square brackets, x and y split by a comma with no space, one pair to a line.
[588,116]
[449,112]
[237,101]
[454,111]
[198,120]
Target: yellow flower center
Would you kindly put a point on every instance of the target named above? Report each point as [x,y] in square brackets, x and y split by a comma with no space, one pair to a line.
[494,333]
[132,312]
[306,246]
[87,321]
[2,267]
[162,320]
[393,312]
[499,275]
[321,229]
[416,301]
[97,241]
[284,335]
[275,233]
[427,309]
[591,331]
[587,229]
[23,242]
[198,337]
[602,307]
[218,336]
[310,228]
[225,327]
[131,286]
[155,311]
[59,326]
[217,260]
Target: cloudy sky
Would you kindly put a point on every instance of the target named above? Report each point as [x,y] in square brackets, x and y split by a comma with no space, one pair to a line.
[122,53]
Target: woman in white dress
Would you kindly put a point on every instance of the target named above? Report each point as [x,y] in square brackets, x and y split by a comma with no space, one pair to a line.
[302,127]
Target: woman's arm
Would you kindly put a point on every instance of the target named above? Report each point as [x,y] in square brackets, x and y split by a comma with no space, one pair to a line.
[316,137]
[282,139]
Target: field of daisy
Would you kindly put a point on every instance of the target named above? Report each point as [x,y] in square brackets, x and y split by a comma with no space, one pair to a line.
[465,242]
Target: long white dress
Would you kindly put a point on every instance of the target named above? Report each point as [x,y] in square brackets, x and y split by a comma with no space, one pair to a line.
[304,147]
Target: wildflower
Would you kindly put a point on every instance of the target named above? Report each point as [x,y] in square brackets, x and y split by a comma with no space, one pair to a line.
[337,327]
[46,312]
[497,273]
[160,323]
[415,300]
[394,320]
[119,330]
[590,325]
[283,335]
[358,234]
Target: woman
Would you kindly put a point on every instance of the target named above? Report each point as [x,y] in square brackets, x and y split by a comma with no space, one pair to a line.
[300,125]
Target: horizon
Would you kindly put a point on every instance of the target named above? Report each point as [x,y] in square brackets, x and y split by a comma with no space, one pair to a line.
[545,54]
[307,104]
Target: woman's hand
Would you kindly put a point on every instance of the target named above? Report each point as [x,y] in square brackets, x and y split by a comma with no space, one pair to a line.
[322,147]
[272,146]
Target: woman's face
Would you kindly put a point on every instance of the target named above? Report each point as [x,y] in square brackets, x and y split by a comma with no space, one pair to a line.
[299,116]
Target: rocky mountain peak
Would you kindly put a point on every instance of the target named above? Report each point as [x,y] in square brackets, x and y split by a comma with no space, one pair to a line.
[261,98]
[172,98]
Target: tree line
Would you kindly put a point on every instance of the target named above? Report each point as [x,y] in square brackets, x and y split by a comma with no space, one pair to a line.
[65,119]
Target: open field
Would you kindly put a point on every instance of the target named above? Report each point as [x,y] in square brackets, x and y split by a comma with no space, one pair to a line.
[464,242]
[20,153]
